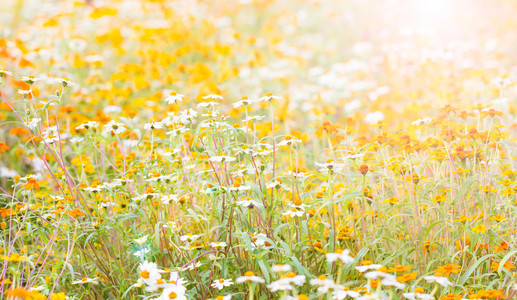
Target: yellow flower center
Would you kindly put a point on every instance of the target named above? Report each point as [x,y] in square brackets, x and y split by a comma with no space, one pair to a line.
[173,295]
[144,274]
[249,274]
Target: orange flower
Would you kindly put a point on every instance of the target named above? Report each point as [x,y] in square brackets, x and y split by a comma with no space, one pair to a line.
[18,293]
[327,127]
[491,112]
[448,109]
[448,269]
[76,213]
[464,115]
[5,212]
[31,184]
[400,269]
[503,246]
[3,147]
[507,265]
[407,277]
[488,294]
[364,169]
[19,131]
[374,283]
[451,297]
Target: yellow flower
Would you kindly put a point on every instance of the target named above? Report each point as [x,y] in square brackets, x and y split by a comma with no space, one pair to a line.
[498,218]
[479,228]
[58,296]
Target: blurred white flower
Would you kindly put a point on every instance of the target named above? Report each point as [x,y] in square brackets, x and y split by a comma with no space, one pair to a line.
[342,255]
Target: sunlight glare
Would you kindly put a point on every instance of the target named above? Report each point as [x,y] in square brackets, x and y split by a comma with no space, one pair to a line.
[430,11]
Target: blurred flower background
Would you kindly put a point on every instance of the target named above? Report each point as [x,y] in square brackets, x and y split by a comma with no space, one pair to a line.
[268,149]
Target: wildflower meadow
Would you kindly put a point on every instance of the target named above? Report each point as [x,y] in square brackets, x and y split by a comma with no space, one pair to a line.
[258,149]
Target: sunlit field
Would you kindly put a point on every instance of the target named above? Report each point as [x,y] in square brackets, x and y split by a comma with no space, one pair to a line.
[258,149]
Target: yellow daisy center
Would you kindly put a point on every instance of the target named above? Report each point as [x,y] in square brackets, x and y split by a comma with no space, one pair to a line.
[144,274]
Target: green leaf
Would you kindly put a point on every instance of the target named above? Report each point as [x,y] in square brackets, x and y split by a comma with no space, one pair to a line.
[264,270]
[463,190]
[300,268]
[472,268]
[504,260]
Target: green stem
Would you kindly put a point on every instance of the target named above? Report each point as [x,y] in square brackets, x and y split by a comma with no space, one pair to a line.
[251,291]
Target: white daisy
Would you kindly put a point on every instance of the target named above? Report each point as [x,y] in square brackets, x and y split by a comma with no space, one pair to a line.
[158,284]
[289,141]
[172,292]
[328,166]
[244,101]
[343,255]
[33,123]
[362,269]
[24,93]
[294,212]
[88,125]
[113,128]
[443,281]
[190,237]
[343,294]
[221,283]
[168,198]
[87,280]
[188,115]
[281,268]
[222,158]
[3,73]
[392,281]
[269,97]
[249,276]
[65,82]
[175,279]
[218,245]
[213,97]
[153,125]
[174,97]
[376,274]
[248,203]
[50,135]
[142,252]
[280,285]
[323,283]
[30,79]
[149,272]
